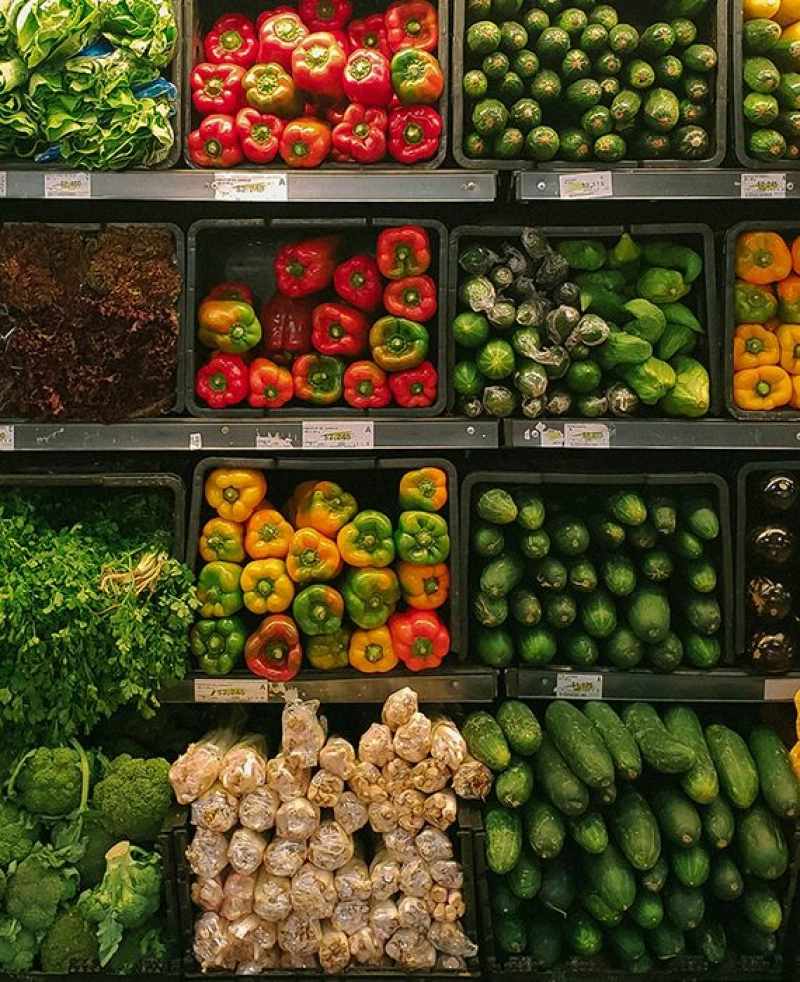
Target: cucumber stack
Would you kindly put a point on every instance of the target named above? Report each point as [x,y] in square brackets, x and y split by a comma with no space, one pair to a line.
[771,93]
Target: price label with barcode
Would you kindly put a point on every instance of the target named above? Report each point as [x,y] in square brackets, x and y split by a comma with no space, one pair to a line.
[195,441]
[77,185]
[6,438]
[3,184]
[578,685]
[586,436]
[227,690]
[274,441]
[591,184]
[250,187]
[763,185]
[322,435]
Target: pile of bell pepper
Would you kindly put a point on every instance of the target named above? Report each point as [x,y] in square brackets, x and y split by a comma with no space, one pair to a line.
[766,337]
[339,327]
[310,84]
[321,580]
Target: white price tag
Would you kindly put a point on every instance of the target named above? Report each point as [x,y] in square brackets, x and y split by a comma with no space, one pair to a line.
[273,441]
[755,185]
[3,184]
[232,690]
[6,438]
[250,187]
[572,685]
[549,436]
[586,435]
[321,435]
[77,185]
[195,441]
[591,184]
[780,690]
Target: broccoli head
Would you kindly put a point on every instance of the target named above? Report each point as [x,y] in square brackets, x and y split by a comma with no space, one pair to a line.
[17,946]
[134,797]
[3,883]
[140,948]
[69,944]
[85,840]
[39,885]
[19,833]
[52,781]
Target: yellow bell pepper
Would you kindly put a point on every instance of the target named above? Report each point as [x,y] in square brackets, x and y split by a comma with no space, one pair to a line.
[312,557]
[267,587]
[372,651]
[221,539]
[424,489]
[268,535]
[764,388]
[789,340]
[424,587]
[753,346]
[235,493]
[325,507]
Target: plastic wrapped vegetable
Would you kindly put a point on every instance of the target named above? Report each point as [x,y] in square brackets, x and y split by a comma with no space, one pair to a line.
[287,777]
[334,949]
[350,916]
[399,843]
[207,854]
[325,789]
[448,905]
[366,947]
[384,872]
[305,963]
[622,400]
[450,939]
[244,766]
[215,809]
[196,770]
[690,395]
[302,734]
[207,893]
[430,775]
[375,746]
[412,741]
[283,858]
[382,816]
[257,809]
[411,810]
[238,896]
[433,845]
[350,812]
[300,934]
[272,899]
[211,946]
[413,914]
[447,744]
[352,881]
[368,783]
[410,950]
[313,892]
[415,877]
[246,850]
[338,757]
[383,918]
[296,820]
[447,873]
[473,780]
[397,775]
[330,846]
[441,809]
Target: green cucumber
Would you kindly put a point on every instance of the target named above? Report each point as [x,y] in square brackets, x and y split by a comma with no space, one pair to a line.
[558,889]
[558,782]
[589,831]
[761,843]
[583,934]
[485,740]
[503,843]
[525,878]
[524,606]
[647,910]
[623,649]
[709,940]
[499,576]
[626,941]
[545,941]
[603,912]
[738,775]
[514,785]
[489,612]
[666,940]
[520,727]
[545,829]
[691,866]
[511,934]
[578,740]
[685,906]
[779,784]
[677,816]
[725,880]
[502,901]
[598,614]
[635,829]
[649,614]
[617,738]
[494,646]
[718,823]
[700,782]
[762,906]
[657,745]
[611,876]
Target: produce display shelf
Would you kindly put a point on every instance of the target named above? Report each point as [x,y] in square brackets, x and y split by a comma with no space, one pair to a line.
[719,685]
[283,434]
[196,185]
[462,683]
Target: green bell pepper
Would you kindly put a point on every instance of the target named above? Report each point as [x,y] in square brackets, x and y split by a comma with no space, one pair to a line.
[422,538]
[367,540]
[218,644]
[318,379]
[327,652]
[398,343]
[752,303]
[659,285]
[371,594]
[318,609]
[218,589]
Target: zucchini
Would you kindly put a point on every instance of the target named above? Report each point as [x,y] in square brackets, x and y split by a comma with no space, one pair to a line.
[514,785]
[619,575]
[578,741]
[623,649]
[700,782]
[738,775]
[761,843]
[725,880]
[579,649]
[525,878]
[599,614]
[617,738]
[494,646]
[611,876]
[627,507]
[545,829]
[649,614]
[666,655]
[685,906]
[692,866]
[558,782]
[486,741]
[658,747]
[503,842]
[718,823]
[487,541]
[558,888]
[589,831]
[569,536]
[635,829]
[677,816]
[536,645]
[520,727]
[525,606]
[489,612]
[779,784]
[653,880]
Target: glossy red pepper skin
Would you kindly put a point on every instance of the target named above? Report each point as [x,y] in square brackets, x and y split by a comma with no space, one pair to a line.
[307,266]
[215,143]
[278,36]
[271,385]
[259,135]
[412,24]
[358,281]
[370,32]
[415,388]
[217,88]
[286,326]
[230,291]
[413,297]
[414,134]
[419,638]
[232,40]
[325,15]
[305,143]
[361,135]
[402,251]
[222,381]
[318,65]
[273,650]
[365,386]
[367,79]
[339,330]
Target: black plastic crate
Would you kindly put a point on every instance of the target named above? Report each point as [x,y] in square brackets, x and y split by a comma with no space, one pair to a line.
[703,300]
[201,14]
[714,31]
[578,484]
[244,251]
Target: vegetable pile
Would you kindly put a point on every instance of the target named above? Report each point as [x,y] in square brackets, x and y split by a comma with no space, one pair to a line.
[581,327]
[341,326]
[637,836]
[81,84]
[284,876]
[545,80]
[771,73]
[766,311]
[314,84]
[584,575]
[78,894]
[322,578]
[89,322]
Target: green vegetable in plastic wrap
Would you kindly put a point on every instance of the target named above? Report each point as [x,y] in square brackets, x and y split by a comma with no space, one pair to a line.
[650,380]
[690,395]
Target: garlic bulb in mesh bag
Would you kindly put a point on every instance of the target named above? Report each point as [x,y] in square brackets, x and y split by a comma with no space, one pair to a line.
[284,858]
[366,947]
[411,810]
[338,757]
[352,881]
[399,843]
[244,766]
[415,877]
[306,963]
[384,872]
[473,780]
[441,809]
[257,809]
[325,789]
[212,944]
[410,949]
[300,934]
[412,912]
[450,939]
[287,778]
[448,905]
[246,850]
[368,783]
[330,846]
[350,916]
[447,873]
[334,949]
[397,776]
[412,740]
[238,896]
[450,963]
[448,746]
[430,775]
[196,770]
[296,820]
[215,809]
[350,813]
[207,854]
[272,898]
[207,893]
[383,918]
[375,746]
[313,892]
[302,734]
[382,816]
[433,844]
[399,707]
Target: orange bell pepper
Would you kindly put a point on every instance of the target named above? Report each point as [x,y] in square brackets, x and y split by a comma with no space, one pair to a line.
[754,345]
[794,402]
[268,535]
[424,587]
[372,651]
[312,557]
[762,257]
[788,291]
[235,493]
[221,539]
[789,341]
[763,388]
[425,488]
[267,586]
[325,507]
[796,239]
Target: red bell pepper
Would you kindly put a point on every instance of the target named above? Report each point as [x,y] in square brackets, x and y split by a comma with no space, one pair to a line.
[361,134]
[222,381]
[217,88]
[412,24]
[232,40]
[367,78]
[403,250]
[417,77]
[283,8]
[413,297]
[339,330]
[286,326]
[259,135]
[414,388]
[278,36]
[365,386]
[306,266]
[369,33]
[306,142]
[273,650]
[325,15]
[215,142]
[271,385]
[318,65]
[358,281]
[414,134]
[271,89]
[419,638]
[230,291]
